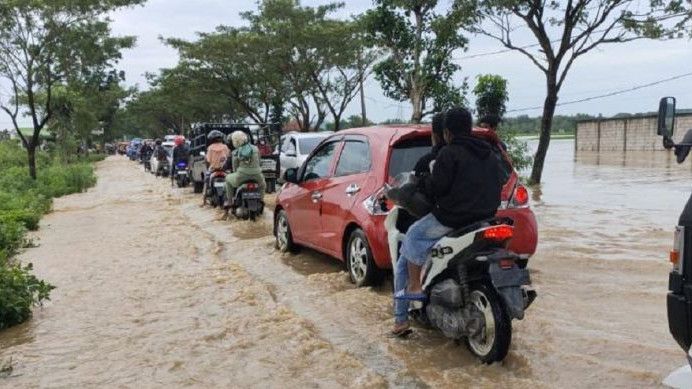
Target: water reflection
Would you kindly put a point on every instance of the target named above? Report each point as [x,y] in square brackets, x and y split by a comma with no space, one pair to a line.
[619,205]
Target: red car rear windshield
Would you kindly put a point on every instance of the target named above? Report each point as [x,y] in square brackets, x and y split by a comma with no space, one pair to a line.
[406,153]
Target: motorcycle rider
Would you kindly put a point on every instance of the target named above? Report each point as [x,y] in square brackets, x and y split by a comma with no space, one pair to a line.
[160,154]
[145,152]
[465,187]
[181,153]
[216,155]
[246,165]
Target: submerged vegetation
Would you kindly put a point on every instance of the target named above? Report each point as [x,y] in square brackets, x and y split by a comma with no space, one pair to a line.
[22,203]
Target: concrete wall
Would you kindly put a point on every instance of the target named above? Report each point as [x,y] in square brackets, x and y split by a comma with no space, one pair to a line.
[627,134]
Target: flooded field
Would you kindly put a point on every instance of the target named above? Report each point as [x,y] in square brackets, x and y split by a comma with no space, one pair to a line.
[155,291]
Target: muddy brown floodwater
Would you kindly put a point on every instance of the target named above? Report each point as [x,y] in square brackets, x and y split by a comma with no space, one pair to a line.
[154,291]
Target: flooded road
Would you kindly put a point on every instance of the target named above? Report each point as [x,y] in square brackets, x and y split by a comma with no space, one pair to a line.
[154,291]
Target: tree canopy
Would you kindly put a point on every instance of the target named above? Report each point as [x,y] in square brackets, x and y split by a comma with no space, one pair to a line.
[45,44]
[418,42]
[564,31]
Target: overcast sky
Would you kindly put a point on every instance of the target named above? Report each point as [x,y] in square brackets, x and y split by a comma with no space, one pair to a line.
[610,68]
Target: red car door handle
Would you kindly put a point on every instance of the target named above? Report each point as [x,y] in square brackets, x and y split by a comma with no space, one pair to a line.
[316,196]
[352,189]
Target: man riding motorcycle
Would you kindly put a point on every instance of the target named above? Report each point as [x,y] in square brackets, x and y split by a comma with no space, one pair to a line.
[160,154]
[145,154]
[181,153]
[216,156]
[246,165]
[464,186]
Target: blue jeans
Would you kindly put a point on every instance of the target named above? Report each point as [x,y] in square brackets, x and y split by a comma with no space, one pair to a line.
[420,238]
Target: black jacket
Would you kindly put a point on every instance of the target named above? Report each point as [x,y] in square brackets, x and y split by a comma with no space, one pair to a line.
[466,182]
[181,153]
[422,169]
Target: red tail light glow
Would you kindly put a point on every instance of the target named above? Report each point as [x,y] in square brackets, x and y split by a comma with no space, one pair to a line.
[506,263]
[251,186]
[499,233]
[521,196]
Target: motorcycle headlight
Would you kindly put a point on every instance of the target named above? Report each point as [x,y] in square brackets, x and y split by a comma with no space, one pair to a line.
[377,204]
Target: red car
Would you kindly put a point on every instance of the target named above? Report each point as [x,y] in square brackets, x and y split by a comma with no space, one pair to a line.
[328,204]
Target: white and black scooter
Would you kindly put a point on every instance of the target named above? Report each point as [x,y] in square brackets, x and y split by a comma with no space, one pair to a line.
[473,284]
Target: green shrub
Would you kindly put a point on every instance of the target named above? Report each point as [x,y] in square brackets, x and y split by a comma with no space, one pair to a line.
[20,291]
[27,217]
[22,203]
[61,180]
[11,236]
[518,150]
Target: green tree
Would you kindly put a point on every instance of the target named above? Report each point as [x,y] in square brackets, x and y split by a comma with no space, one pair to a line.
[177,98]
[239,66]
[419,44]
[564,31]
[491,99]
[491,95]
[44,43]
[324,60]
[84,107]
[353,121]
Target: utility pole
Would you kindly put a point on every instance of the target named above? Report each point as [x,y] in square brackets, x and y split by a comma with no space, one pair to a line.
[362,101]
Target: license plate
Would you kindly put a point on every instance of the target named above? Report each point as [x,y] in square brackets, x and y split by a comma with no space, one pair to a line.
[182,173]
[268,164]
[219,185]
[251,196]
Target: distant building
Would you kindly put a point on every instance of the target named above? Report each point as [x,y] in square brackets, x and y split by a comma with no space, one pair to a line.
[633,133]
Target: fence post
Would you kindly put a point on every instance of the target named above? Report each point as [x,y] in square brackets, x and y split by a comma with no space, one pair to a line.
[576,138]
[598,135]
[624,143]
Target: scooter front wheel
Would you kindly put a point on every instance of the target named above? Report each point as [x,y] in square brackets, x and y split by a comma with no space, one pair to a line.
[491,342]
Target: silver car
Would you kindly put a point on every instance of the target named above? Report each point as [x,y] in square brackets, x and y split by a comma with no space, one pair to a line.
[297,146]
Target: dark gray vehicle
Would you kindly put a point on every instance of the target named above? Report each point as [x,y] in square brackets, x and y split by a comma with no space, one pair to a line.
[679,299]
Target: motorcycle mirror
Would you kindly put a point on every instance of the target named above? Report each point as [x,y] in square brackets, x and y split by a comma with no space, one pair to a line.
[666,120]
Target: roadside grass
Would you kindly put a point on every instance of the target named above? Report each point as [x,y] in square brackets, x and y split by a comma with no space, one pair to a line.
[23,202]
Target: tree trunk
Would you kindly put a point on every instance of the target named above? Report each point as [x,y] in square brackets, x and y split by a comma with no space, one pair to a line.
[417,114]
[546,128]
[337,122]
[31,153]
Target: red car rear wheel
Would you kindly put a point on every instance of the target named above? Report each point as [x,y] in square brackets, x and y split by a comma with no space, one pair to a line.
[360,263]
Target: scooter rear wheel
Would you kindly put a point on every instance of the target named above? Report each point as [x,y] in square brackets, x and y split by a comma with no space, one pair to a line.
[492,343]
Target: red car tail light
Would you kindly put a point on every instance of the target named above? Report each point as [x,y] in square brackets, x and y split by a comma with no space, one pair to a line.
[499,233]
[251,186]
[520,198]
[378,204]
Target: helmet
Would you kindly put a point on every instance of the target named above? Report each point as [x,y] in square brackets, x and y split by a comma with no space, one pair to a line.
[215,136]
[158,141]
[179,140]
[238,138]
